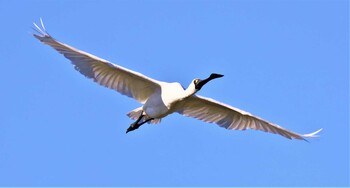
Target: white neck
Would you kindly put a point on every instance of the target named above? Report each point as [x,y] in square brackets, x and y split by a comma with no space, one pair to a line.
[191,90]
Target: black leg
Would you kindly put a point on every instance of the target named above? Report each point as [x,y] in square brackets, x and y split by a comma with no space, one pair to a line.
[136,125]
[150,119]
[139,119]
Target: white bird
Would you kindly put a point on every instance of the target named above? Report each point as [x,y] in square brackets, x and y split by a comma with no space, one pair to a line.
[159,98]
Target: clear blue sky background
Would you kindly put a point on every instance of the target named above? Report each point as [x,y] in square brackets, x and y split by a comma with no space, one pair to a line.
[285,61]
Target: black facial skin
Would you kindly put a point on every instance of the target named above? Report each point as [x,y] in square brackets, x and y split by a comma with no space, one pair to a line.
[200,83]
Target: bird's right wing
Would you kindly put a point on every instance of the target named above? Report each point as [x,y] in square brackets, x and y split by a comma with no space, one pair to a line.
[229,117]
[126,82]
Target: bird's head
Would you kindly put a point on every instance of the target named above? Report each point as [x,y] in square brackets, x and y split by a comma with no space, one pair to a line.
[198,83]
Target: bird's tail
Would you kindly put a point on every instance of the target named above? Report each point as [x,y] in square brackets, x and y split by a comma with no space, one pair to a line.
[135,114]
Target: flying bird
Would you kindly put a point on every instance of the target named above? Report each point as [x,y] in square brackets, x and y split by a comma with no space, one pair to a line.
[160,99]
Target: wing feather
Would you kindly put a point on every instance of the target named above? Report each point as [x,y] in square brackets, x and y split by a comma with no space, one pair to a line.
[228,117]
[126,82]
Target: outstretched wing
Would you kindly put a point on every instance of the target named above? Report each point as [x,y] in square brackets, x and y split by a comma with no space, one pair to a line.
[229,117]
[126,82]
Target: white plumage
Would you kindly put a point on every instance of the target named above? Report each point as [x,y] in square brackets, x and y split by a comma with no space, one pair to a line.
[160,99]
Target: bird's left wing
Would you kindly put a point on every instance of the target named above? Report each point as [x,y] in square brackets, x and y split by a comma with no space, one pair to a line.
[126,82]
[229,117]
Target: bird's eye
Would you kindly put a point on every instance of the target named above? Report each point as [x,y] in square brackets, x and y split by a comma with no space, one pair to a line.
[196,81]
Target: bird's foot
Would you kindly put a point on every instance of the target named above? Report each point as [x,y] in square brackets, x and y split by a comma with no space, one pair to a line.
[132,127]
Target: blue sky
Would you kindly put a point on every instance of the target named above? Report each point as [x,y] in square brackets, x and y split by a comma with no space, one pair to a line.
[285,61]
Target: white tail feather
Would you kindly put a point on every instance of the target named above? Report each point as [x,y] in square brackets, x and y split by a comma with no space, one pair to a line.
[135,114]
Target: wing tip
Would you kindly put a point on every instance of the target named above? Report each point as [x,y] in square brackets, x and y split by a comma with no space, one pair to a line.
[312,135]
[40,30]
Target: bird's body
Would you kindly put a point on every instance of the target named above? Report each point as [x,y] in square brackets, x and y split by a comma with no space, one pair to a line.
[163,101]
[159,98]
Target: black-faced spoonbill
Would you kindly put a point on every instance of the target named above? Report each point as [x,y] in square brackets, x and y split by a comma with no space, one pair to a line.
[160,99]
